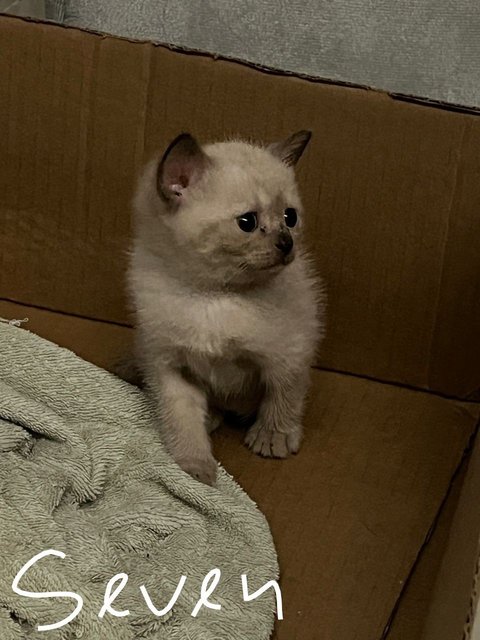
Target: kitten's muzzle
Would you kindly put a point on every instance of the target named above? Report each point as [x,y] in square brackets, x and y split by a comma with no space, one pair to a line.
[284,243]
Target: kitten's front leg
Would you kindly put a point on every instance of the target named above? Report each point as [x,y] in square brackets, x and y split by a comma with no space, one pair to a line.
[183,412]
[277,431]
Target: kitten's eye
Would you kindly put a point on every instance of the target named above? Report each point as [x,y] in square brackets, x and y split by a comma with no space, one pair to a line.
[291,217]
[248,221]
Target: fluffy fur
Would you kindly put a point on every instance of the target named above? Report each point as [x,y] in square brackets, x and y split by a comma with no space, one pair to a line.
[226,321]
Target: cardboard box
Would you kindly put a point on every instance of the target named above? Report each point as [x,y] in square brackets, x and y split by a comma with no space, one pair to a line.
[376,513]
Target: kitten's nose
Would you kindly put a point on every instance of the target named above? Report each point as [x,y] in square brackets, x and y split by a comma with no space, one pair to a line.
[284,243]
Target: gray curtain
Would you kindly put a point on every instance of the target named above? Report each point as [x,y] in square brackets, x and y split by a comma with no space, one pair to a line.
[427,48]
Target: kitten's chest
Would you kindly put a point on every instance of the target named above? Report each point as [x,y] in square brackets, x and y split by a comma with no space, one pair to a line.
[228,376]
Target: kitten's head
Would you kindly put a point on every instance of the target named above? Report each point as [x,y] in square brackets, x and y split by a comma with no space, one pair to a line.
[231,210]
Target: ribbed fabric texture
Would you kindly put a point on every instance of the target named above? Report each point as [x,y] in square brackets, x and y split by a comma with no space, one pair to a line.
[83,471]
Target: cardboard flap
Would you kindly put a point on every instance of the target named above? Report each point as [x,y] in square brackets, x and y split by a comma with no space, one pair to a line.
[455,597]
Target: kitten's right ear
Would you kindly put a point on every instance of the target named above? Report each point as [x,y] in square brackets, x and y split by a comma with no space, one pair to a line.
[290,150]
[182,165]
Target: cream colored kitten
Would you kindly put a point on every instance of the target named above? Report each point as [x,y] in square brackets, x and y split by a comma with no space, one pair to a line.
[226,306]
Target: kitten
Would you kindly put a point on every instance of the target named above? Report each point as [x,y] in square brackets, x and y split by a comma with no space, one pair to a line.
[226,306]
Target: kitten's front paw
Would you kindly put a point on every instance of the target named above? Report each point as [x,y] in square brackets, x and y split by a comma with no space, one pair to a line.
[271,443]
[203,469]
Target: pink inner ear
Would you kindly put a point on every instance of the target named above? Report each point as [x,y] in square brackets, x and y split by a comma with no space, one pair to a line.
[178,174]
[181,166]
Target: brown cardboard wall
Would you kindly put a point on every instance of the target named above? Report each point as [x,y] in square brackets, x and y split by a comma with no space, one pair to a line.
[392,191]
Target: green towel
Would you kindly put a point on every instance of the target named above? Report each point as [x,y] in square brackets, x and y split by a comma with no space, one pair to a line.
[83,472]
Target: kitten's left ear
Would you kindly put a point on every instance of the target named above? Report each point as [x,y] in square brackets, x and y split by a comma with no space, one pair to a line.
[182,165]
[291,149]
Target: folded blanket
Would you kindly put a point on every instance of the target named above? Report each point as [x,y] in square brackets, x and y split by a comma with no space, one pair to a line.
[83,473]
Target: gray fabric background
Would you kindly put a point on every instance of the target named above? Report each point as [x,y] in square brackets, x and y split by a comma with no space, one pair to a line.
[428,48]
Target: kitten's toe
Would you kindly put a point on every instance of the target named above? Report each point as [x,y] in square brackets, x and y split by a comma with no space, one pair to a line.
[202,469]
[294,439]
[271,443]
